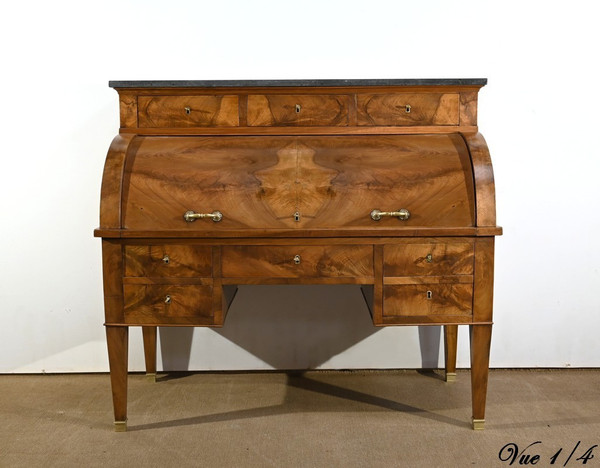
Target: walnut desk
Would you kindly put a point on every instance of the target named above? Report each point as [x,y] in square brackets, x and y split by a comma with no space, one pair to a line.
[385,184]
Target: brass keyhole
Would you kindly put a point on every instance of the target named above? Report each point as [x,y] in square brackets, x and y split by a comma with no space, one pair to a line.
[298,108]
[429,294]
[297,259]
[188,111]
[166,259]
[167,299]
[429,258]
[407,108]
[297,216]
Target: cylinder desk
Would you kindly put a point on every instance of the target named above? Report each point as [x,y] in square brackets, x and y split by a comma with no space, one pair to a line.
[383,184]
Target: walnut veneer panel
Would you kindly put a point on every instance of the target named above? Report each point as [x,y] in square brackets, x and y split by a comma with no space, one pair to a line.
[429,258]
[297,110]
[148,304]
[188,111]
[298,261]
[168,260]
[408,109]
[428,300]
[332,182]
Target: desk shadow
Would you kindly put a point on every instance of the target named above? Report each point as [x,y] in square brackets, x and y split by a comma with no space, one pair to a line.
[296,401]
[294,327]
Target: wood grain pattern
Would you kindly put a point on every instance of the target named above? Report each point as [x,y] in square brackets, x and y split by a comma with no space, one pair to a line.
[481,338]
[149,336]
[117,339]
[145,304]
[128,109]
[484,179]
[468,108]
[483,298]
[425,109]
[110,195]
[282,110]
[447,258]
[450,346]
[112,272]
[315,261]
[411,300]
[170,111]
[167,260]
[333,182]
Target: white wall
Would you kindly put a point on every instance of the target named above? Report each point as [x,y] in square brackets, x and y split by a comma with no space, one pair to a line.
[539,114]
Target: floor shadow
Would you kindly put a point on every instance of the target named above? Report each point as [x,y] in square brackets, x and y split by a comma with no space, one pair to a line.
[176,347]
[296,403]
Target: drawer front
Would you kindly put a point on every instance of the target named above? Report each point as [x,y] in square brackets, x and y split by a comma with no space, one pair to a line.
[428,259]
[407,109]
[168,261]
[167,303]
[416,300]
[297,110]
[297,261]
[188,111]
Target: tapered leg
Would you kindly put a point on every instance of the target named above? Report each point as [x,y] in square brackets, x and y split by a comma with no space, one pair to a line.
[149,334]
[117,339]
[481,337]
[450,342]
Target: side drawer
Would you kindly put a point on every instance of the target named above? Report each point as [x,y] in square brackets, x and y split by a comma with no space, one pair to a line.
[428,258]
[188,111]
[297,110]
[168,261]
[167,303]
[407,109]
[417,300]
[298,261]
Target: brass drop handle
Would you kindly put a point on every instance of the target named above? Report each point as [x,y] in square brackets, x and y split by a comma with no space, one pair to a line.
[297,259]
[191,216]
[167,299]
[402,214]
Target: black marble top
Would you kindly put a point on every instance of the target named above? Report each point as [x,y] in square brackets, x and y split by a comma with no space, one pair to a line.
[298,83]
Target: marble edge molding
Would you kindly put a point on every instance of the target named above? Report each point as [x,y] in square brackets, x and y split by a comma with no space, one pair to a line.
[298,83]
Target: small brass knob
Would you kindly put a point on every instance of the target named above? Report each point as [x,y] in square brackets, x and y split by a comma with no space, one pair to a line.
[167,299]
[166,259]
[297,259]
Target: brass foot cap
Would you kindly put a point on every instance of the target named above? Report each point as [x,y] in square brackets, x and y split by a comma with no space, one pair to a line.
[478,424]
[120,426]
[151,377]
[450,376]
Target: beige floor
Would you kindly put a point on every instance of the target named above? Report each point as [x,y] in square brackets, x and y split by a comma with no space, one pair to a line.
[315,419]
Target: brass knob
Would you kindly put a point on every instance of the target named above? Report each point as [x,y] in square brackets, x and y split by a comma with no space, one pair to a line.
[191,216]
[297,259]
[402,214]
[167,299]
[166,259]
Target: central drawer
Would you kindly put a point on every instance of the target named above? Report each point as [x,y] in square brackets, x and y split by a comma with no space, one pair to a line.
[297,261]
[300,110]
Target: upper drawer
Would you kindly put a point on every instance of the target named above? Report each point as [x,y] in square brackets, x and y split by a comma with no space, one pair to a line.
[407,109]
[168,260]
[301,110]
[436,258]
[188,111]
[298,261]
